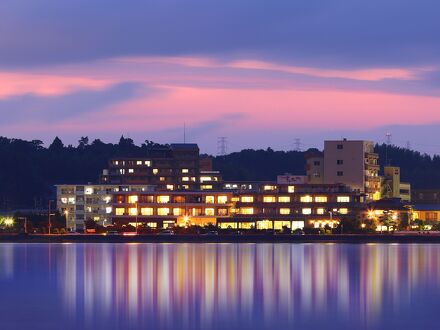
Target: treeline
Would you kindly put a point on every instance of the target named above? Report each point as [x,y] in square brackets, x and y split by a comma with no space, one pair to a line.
[29,171]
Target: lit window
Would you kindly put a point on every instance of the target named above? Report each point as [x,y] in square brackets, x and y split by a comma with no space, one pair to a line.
[284,199]
[321,199]
[177,211]
[163,199]
[139,162]
[205,178]
[71,200]
[185,170]
[116,162]
[132,211]
[209,199]
[343,199]
[291,189]
[235,199]
[133,199]
[155,171]
[269,199]
[170,187]
[306,199]
[209,211]
[163,211]
[88,191]
[284,211]
[269,187]
[185,178]
[108,209]
[247,199]
[222,199]
[185,186]
[64,200]
[206,186]
[121,171]
[130,170]
[343,211]
[246,210]
[162,178]
[320,210]
[148,163]
[120,211]
[306,211]
[147,211]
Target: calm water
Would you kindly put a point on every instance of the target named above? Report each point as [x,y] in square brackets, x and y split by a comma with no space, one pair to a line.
[219,286]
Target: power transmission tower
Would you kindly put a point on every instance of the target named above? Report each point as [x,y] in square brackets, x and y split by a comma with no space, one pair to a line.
[408,145]
[222,146]
[297,144]
[388,138]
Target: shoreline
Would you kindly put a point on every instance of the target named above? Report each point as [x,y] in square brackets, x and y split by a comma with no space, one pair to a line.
[350,239]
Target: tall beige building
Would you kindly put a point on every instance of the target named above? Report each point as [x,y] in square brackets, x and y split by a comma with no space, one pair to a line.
[353,163]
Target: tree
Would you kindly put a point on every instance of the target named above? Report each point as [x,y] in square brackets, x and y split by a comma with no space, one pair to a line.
[83,142]
[57,145]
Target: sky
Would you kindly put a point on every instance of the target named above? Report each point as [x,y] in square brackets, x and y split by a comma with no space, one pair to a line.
[260,73]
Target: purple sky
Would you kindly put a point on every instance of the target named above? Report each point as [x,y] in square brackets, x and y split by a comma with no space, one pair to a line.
[261,73]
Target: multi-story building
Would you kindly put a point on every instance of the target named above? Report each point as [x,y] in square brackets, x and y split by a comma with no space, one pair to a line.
[392,187]
[242,205]
[173,167]
[89,202]
[353,163]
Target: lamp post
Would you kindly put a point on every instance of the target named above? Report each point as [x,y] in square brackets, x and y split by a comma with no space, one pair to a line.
[48,216]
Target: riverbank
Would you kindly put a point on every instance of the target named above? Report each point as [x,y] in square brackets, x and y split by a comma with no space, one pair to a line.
[352,239]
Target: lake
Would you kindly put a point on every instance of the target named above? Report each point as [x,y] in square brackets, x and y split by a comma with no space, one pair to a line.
[219,286]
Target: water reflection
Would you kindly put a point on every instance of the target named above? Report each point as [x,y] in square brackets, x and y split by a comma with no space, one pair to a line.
[235,286]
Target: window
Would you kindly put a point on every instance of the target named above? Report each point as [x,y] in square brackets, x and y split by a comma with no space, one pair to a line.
[162,178]
[132,211]
[133,199]
[130,170]
[177,211]
[163,211]
[291,189]
[108,209]
[306,199]
[139,162]
[170,187]
[320,210]
[316,163]
[64,200]
[269,187]
[340,146]
[306,211]
[185,178]
[147,211]
[206,187]
[163,199]
[222,199]
[209,211]
[340,161]
[247,199]
[343,211]
[339,173]
[155,171]
[343,199]
[284,211]
[148,163]
[321,199]
[209,199]
[205,178]
[284,199]
[246,210]
[269,199]
[185,170]
[121,171]
[222,212]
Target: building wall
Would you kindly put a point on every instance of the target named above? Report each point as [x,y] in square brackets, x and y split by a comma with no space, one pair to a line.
[352,163]
[315,167]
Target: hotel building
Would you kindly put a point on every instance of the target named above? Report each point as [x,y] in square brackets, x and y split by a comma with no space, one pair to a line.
[240,206]
[353,163]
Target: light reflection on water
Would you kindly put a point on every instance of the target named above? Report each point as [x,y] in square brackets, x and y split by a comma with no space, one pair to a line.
[218,286]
